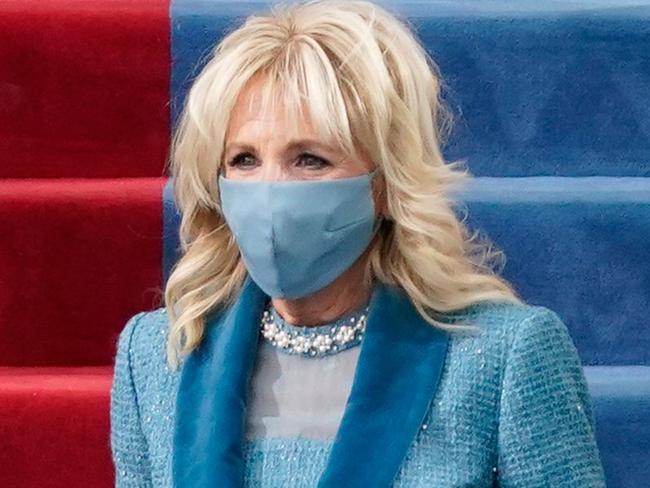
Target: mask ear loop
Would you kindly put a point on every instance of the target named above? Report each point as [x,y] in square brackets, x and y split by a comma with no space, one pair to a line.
[380,218]
[378,221]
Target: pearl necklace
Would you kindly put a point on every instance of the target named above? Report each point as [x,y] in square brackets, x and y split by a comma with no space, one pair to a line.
[320,340]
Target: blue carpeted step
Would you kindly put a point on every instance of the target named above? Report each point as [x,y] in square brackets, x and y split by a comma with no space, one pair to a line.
[579,246]
[621,399]
[576,245]
[537,87]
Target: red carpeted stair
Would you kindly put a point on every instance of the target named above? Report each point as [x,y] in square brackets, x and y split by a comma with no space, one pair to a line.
[84,130]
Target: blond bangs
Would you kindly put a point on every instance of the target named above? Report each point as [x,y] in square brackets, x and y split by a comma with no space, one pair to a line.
[302,86]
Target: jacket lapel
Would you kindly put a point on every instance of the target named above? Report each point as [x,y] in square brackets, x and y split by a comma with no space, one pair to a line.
[211,398]
[398,371]
[397,374]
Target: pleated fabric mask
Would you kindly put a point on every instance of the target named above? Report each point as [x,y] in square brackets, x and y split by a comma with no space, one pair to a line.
[296,237]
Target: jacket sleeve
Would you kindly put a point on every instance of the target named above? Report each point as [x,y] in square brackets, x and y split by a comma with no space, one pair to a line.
[128,443]
[547,427]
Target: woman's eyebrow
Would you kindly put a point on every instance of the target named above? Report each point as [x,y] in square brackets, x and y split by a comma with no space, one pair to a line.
[306,143]
[292,145]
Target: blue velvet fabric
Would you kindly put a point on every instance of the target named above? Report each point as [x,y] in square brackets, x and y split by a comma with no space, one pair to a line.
[399,350]
[621,397]
[580,246]
[537,88]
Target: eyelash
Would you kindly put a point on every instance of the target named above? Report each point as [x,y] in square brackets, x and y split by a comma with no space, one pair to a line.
[236,161]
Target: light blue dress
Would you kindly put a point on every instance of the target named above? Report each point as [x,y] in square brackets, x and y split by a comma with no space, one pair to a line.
[295,395]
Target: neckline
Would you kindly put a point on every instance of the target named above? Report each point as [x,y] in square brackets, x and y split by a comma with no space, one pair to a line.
[313,341]
[399,349]
[311,330]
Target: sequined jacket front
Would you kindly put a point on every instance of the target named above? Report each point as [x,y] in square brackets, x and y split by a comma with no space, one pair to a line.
[511,409]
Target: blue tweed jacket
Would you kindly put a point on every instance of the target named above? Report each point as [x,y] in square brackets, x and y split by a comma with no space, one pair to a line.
[507,406]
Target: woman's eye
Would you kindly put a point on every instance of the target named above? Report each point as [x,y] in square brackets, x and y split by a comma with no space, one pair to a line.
[312,162]
[245,160]
[306,160]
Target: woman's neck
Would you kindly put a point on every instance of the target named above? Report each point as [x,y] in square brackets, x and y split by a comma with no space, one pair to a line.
[345,294]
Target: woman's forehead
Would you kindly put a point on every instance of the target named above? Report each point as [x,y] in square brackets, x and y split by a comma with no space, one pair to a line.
[251,123]
[252,106]
[267,111]
[253,126]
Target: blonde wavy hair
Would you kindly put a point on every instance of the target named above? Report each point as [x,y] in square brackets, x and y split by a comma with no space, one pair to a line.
[367,84]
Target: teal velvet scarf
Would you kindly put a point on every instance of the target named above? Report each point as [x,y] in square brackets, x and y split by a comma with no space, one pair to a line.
[397,374]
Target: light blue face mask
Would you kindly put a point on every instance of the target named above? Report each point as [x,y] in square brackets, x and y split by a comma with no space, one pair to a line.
[296,237]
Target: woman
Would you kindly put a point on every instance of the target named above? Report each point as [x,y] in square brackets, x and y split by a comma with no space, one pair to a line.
[330,322]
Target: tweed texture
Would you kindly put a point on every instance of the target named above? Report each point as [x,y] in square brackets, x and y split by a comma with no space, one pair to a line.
[512,410]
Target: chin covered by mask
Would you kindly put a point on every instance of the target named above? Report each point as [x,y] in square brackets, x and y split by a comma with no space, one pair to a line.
[296,237]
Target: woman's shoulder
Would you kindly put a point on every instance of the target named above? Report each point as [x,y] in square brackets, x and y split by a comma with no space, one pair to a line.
[142,344]
[501,320]
[507,330]
[541,387]
[518,347]
[142,332]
